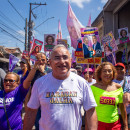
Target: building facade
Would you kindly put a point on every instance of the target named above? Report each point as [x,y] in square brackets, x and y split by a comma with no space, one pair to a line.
[115,15]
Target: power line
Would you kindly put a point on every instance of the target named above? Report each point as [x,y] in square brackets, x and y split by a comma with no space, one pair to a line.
[43,22]
[6,18]
[1,22]
[11,34]
[16,10]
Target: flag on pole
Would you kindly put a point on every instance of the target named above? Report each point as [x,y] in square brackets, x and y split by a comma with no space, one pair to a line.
[89,21]
[73,26]
[12,62]
[59,35]
[111,58]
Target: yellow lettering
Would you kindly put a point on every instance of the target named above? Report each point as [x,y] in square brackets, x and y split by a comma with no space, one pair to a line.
[70,100]
[101,100]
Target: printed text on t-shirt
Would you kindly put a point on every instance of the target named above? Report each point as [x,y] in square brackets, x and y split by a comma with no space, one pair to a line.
[61,97]
[107,100]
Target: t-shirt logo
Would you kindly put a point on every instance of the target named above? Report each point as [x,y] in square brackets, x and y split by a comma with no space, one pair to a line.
[7,101]
[107,100]
[61,97]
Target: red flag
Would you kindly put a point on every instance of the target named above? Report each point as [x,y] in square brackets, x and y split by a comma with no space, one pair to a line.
[59,36]
[89,21]
[73,26]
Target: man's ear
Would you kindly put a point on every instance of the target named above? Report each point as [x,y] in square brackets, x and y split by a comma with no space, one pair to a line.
[50,61]
[71,60]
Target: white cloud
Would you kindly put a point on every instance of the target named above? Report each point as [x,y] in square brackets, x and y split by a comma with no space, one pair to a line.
[79,3]
[99,8]
[35,32]
[68,37]
[21,32]
[104,1]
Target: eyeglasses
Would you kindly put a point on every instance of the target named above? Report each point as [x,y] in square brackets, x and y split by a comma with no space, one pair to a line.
[90,73]
[10,80]
[64,57]
[79,72]
[43,60]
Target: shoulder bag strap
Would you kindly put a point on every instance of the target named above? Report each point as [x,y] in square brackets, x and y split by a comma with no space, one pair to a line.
[6,111]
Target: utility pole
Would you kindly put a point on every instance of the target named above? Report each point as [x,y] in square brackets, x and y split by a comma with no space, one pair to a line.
[30,27]
[26,34]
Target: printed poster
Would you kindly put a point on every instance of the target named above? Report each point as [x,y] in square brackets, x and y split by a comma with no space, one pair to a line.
[63,42]
[91,42]
[36,48]
[96,60]
[49,42]
[109,44]
[123,35]
[79,49]
[80,56]
[24,54]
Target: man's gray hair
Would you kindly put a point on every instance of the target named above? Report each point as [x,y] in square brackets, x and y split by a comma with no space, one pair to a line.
[57,46]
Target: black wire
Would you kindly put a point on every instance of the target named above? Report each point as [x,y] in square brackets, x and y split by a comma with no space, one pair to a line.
[11,29]
[6,111]
[11,35]
[16,10]
[9,20]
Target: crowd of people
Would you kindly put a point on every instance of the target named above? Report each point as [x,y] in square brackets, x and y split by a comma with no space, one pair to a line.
[54,91]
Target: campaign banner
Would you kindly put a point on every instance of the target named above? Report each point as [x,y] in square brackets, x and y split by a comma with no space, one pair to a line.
[12,62]
[91,42]
[96,60]
[109,44]
[79,50]
[25,53]
[73,25]
[111,58]
[123,35]
[73,56]
[63,42]
[49,42]
[36,48]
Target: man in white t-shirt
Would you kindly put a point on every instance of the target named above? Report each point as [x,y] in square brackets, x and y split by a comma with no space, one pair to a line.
[60,94]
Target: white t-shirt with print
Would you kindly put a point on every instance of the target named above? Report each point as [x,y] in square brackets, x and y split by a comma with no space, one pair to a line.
[61,101]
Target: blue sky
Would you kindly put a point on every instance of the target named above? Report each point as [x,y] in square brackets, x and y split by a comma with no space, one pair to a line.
[14,24]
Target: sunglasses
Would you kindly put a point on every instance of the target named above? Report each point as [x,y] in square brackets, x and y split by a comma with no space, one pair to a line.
[79,71]
[90,73]
[41,60]
[10,80]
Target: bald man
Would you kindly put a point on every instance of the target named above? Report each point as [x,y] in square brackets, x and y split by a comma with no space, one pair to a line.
[60,94]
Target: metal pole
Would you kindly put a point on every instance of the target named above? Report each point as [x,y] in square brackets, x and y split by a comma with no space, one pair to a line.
[26,34]
[30,23]
[29,28]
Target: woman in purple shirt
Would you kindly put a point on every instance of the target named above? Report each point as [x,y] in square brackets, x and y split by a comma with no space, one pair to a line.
[11,102]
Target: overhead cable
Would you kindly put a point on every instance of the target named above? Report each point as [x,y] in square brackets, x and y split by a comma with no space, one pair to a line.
[11,34]
[11,29]
[16,10]
[5,17]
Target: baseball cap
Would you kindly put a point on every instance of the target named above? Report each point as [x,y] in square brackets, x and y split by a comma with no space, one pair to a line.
[88,69]
[73,61]
[120,65]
